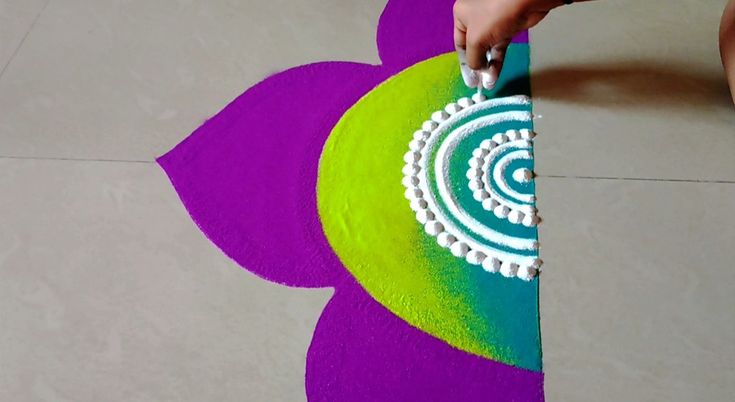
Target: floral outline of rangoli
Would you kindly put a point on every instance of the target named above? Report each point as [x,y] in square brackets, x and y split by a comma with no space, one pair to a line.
[249,179]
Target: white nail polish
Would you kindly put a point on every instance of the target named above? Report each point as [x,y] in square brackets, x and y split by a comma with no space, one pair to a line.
[469,76]
[487,81]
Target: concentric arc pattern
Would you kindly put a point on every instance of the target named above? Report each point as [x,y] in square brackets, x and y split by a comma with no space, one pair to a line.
[469,179]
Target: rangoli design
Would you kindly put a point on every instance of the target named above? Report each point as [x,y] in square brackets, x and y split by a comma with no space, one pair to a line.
[430,178]
[407,192]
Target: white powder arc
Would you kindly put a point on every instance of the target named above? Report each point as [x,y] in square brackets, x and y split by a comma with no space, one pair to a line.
[477,246]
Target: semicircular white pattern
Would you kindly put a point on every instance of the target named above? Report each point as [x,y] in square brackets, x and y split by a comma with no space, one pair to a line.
[450,212]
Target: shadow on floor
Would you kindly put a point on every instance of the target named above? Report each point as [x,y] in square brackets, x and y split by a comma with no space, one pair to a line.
[631,85]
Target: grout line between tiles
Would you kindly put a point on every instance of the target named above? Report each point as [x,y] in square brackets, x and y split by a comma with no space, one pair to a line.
[22,41]
[550,176]
[75,159]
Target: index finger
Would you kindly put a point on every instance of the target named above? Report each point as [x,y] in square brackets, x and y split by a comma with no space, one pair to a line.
[470,77]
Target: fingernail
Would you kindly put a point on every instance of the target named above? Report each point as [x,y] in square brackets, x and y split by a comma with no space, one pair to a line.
[488,81]
[469,76]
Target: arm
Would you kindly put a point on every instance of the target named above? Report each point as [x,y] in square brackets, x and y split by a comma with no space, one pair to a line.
[482,26]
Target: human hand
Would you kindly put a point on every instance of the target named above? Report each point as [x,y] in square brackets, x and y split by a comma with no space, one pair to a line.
[483,29]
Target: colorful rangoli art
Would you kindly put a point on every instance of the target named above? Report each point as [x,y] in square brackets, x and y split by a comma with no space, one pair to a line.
[408,193]
[433,168]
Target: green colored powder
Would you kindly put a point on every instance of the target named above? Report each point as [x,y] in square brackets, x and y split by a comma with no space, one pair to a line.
[369,224]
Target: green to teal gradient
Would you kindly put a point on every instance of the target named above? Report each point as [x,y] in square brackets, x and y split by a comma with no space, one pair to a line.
[370,226]
[458,165]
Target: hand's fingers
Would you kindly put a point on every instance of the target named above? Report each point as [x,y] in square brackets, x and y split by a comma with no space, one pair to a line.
[474,57]
[460,34]
[490,76]
[476,51]
[468,75]
[533,18]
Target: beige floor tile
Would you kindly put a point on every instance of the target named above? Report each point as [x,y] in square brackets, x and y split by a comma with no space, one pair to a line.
[633,89]
[638,290]
[109,292]
[16,20]
[129,79]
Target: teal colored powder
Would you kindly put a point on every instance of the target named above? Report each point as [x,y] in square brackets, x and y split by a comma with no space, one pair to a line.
[370,226]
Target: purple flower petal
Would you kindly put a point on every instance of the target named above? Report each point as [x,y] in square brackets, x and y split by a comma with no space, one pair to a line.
[362,352]
[414,30]
[248,175]
[522,37]
[410,31]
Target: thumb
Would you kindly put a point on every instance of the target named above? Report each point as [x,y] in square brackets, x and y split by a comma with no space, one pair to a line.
[496,58]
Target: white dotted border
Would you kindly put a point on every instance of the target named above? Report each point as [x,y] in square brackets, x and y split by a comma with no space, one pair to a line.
[482,191]
[427,218]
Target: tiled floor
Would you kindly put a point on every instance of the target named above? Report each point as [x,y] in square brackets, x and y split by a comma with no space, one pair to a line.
[109,292]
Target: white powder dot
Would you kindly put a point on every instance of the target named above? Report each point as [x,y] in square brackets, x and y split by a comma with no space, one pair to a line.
[531,220]
[413,193]
[411,156]
[475,257]
[475,162]
[429,125]
[416,145]
[475,184]
[418,205]
[501,211]
[479,153]
[480,195]
[488,144]
[452,108]
[491,264]
[527,134]
[421,135]
[523,175]
[411,169]
[439,116]
[500,138]
[508,269]
[513,135]
[515,216]
[445,239]
[459,249]
[474,173]
[410,181]
[526,273]
[465,102]
[433,228]
[424,216]
[489,204]
[478,97]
